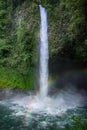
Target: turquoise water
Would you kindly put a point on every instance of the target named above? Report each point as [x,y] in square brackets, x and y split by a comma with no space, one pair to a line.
[9,120]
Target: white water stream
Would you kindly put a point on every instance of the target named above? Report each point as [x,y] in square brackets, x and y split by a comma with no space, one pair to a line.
[44,53]
[66,99]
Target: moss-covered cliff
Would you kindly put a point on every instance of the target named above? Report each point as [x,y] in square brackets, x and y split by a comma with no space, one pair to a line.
[68,29]
[19,23]
[19,31]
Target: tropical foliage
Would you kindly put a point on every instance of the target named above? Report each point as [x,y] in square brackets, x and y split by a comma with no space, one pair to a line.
[19,32]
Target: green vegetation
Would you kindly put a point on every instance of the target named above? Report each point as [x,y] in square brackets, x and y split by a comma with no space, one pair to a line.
[79,123]
[67,28]
[68,33]
[10,78]
[19,29]
[18,38]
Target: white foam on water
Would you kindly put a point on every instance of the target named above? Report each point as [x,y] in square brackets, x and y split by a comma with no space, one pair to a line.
[66,99]
[58,105]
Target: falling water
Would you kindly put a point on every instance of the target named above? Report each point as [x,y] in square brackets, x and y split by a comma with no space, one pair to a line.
[44,54]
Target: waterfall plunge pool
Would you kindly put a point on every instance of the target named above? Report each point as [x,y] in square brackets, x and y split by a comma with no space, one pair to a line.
[28,112]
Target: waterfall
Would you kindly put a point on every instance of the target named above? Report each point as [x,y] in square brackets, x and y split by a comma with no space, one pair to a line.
[44,54]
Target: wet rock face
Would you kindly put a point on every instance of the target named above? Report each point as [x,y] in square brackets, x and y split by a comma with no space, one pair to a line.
[67,74]
[74,83]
